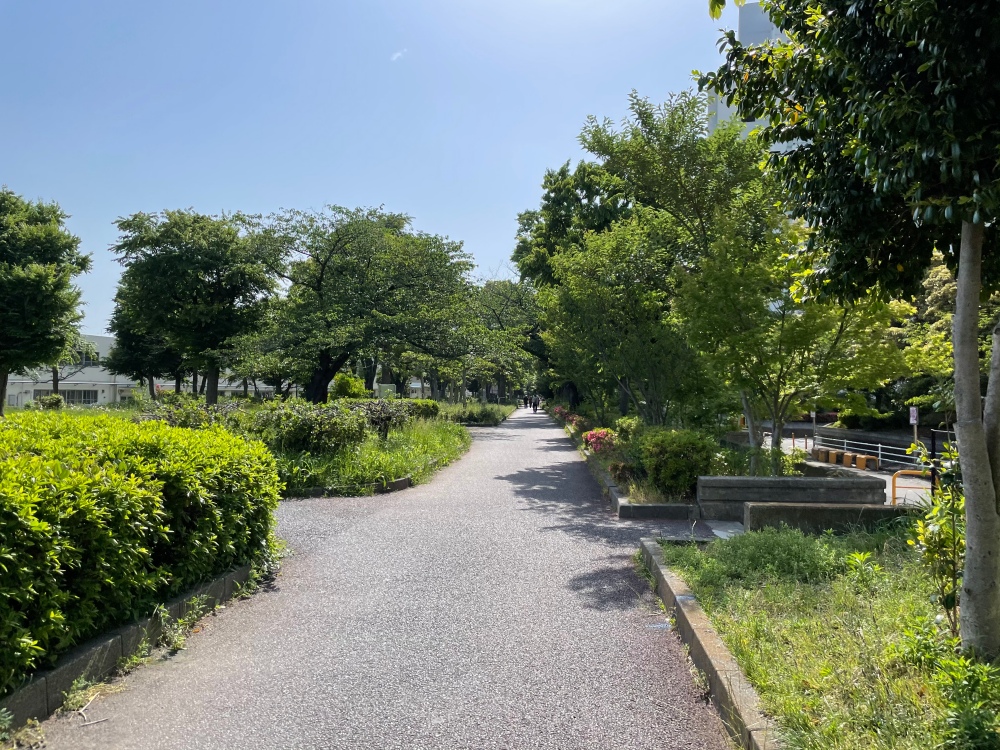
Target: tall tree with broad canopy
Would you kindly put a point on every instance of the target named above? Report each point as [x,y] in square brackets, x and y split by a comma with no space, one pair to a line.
[140,353]
[39,305]
[357,280]
[196,280]
[883,121]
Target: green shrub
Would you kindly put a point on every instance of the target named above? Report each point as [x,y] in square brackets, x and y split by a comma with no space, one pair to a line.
[474,412]
[674,459]
[780,553]
[415,450]
[51,403]
[381,414]
[296,426]
[102,518]
[349,386]
[424,408]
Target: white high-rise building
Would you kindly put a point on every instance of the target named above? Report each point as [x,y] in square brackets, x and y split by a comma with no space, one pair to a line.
[754,27]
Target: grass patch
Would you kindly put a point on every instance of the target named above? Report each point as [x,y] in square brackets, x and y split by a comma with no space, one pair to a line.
[841,640]
[415,450]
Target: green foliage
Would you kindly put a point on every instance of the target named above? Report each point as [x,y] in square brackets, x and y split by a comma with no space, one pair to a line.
[760,462]
[359,279]
[297,426]
[939,535]
[191,283]
[39,306]
[415,450]
[476,413]
[51,403]
[769,553]
[423,408]
[349,386]
[102,518]
[881,123]
[846,660]
[674,459]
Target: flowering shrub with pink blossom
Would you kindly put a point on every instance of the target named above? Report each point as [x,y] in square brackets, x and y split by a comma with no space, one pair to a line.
[600,440]
[560,412]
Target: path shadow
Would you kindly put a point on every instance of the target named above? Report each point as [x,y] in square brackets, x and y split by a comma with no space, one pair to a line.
[614,586]
[569,498]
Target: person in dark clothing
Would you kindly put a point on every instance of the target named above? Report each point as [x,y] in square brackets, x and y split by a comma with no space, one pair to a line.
[534,404]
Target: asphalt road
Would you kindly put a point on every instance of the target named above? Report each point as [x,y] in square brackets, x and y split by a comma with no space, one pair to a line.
[495,607]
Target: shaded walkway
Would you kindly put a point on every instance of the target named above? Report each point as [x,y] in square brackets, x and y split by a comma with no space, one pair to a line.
[496,607]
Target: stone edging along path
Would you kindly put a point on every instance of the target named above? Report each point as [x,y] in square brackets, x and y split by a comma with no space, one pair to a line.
[43,694]
[733,695]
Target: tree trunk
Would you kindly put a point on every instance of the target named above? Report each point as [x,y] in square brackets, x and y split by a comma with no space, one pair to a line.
[3,391]
[55,380]
[753,435]
[501,387]
[246,388]
[177,383]
[464,387]
[204,384]
[371,370]
[151,383]
[212,385]
[980,597]
[194,382]
[317,389]
[777,427]
[623,399]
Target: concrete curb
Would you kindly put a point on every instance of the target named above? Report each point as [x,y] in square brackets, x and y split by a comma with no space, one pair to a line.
[733,695]
[395,485]
[43,693]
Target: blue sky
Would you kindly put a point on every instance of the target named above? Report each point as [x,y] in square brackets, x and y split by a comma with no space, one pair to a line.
[447,110]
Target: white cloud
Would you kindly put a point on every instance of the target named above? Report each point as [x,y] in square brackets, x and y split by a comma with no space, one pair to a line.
[397,55]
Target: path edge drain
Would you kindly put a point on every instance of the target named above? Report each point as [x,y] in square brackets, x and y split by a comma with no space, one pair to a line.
[731,692]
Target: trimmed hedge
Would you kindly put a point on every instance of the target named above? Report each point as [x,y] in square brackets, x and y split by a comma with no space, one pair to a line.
[102,518]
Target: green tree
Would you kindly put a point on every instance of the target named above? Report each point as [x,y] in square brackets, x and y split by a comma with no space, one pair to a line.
[196,281]
[39,305]
[882,121]
[611,310]
[360,280]
[139,352]
[781,352]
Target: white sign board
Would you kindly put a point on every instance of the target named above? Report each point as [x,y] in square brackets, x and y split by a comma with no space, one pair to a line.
[812,414]
[914,416]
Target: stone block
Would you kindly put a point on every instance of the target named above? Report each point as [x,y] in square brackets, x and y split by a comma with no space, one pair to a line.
[821,455]
[847,459]
[30,701]
[833,456]
[815,518]
[93,661]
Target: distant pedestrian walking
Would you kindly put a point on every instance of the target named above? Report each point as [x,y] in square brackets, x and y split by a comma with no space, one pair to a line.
[534,404]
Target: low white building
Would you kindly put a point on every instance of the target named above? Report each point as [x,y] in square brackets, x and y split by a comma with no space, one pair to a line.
[88,383]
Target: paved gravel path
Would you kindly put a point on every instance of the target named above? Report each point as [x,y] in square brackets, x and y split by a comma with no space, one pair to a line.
[495,607]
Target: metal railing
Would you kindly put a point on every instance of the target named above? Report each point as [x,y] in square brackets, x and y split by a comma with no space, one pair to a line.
[886,454]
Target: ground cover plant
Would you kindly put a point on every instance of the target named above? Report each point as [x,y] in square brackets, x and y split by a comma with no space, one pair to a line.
[844,639]
[102,518]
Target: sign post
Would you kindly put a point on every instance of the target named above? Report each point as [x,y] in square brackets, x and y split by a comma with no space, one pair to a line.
[914,420]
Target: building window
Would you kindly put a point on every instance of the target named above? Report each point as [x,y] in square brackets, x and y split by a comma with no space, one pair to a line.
[90,360]
[72,397]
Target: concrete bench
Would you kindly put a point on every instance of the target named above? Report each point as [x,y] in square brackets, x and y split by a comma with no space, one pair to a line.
[722,498]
